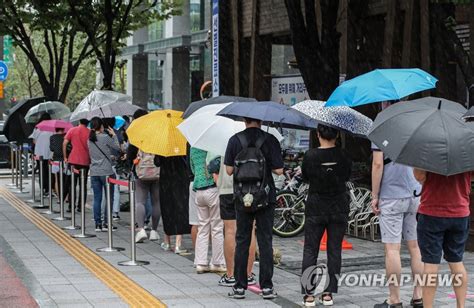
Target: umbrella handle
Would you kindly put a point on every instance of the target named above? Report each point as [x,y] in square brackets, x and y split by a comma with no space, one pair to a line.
[416,195]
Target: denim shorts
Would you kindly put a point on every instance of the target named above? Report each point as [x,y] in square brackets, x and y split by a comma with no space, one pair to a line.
[442,235]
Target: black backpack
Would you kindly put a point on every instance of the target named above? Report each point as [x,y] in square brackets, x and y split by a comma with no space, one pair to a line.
[250,179]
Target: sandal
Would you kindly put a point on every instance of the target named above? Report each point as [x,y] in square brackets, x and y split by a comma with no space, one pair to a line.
[324,301]
[309,301]
[416,303]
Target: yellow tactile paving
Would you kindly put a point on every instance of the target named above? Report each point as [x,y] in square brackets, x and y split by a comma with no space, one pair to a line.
[130,292]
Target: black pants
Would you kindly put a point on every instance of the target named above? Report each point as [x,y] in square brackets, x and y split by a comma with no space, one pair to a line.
[314,230]
[77,180]
[264,218]
[44,179]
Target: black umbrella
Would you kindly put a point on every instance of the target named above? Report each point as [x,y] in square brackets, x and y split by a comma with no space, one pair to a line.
[469,115]
[214,100]
[270,113]
[15,128]
[426,133]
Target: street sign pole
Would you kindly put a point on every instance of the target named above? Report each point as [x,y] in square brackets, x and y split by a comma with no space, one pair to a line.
[215,49]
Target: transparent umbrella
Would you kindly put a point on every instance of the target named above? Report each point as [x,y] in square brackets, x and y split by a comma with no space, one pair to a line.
[97,99]
[56,110]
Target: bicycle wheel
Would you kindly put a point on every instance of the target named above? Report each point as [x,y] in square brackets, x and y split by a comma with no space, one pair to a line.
[288,219]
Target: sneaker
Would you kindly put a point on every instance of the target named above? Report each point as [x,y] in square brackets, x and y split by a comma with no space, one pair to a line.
[416,303]
[116,217]
[251,280]
[226,281]
[154,236]
[309,301]
[385,304]
[238,293]
[105,227]
[178,250]
[165,246]
[269,293]
[201,269]
[324,301]
[218,268]
[141,236]
[98,228]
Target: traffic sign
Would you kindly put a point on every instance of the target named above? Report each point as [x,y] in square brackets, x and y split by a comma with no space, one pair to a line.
[3,71]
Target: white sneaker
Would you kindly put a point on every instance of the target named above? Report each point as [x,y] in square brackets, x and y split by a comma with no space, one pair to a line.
[154,236]
[178,250]
[165,246]
[218,268]
[141,236]
[201,269]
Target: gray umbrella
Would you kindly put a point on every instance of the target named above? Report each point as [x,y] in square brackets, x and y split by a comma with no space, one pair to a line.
[469,115]
[223,99]
[340,117]
[112,110]
[426,133]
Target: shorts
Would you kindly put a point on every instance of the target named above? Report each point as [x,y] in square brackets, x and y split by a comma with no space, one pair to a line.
[437,235]
[397,219]
[55,168]
[227,207]
[193,216]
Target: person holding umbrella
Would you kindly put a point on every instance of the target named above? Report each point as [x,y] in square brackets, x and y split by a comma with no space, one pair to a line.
[41,142]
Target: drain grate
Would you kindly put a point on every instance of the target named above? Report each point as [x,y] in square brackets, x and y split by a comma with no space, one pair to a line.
[348,264]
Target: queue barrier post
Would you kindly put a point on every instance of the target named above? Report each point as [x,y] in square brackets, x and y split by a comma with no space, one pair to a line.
[133,254]
[110,247]
[20,165]
[83,233]
[61,194]
[17,167]
[42,205]
[12,163]
[33,181]
[72,199]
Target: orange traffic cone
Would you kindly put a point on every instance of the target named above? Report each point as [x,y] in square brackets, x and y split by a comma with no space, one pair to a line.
[323,245]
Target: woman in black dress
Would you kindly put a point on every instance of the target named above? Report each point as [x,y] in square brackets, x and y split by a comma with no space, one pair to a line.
[326,169]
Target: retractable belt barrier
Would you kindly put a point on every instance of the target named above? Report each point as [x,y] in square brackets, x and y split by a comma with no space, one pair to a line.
[110,247]
[33,179]
[72,199]
[50,210]
[13,150]
[61,191]
[83,233]
[133,254]
[42,205]
[19,170]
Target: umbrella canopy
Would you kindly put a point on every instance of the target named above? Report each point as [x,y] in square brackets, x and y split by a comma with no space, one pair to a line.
[16,128]
[381,85]
[469,115]
[112,110]
[343,118]
[119,122]
[96,99]
[269,113]
[207,131]
[51,125]
[56,110]
[214,100]
[156,133]
[426,133]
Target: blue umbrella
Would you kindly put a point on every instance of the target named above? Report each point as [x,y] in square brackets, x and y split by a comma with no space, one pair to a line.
[381,85]
[119,122]
[269,113]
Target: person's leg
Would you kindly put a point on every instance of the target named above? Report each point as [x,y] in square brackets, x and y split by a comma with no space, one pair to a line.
[116,203]
[430,274]
[77,180]
[202,243]
[156,207]
[194,232]
[393,268]
[252,252]
[336,231]
[141,195]
[314,231]
[229,246]
[217,227]
[56,184]
[112,187]
[45,176]
[244,222]
[148,208]
[460,283]
[97,188]
[86,172]
[192,211]
[264,218]
[416,266]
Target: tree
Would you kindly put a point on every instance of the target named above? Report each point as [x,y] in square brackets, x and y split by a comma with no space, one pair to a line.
[316,50]
[108,22]
[25,19]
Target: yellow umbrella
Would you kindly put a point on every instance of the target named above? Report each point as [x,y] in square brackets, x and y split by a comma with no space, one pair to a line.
[156,133]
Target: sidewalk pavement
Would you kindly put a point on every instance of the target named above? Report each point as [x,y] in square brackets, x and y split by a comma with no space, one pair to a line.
[54,278]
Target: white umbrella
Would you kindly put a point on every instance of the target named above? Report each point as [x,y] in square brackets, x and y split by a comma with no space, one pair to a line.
[97,99]
[56,110]
[207,131]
